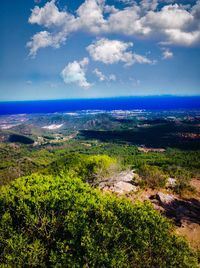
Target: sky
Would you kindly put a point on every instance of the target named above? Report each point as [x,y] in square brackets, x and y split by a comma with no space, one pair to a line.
[62,49]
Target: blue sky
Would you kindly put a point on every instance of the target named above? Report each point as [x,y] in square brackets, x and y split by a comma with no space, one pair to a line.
[96,48]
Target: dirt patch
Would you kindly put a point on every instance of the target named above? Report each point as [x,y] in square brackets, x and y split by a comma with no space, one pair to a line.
[185,213]
[196,184]
[191,231]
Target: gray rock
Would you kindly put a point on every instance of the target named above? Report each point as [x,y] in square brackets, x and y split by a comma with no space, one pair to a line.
[122,187]
[125,176]
[119,183]
[164,198]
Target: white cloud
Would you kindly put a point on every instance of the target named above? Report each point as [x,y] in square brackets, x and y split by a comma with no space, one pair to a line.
[49,15]
[170,22]
[39,40]
[59,24]
[74,72]
[44,39]
[128,22]
[178,37]
[169,17]
[142,59]
[99,74]
[175,25]
[90,16]
[167,54]
[110,51]
[42,15]
[196,10]
[114,51]
[103,77]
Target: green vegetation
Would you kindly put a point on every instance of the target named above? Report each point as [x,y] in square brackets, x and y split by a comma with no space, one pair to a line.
[52,217]
[89,168]
[59,221]
[152,177]
[165,135]
[20,160]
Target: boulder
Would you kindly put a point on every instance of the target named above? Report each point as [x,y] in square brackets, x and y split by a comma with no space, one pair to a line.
[126,175]
[164,198]
[122,187]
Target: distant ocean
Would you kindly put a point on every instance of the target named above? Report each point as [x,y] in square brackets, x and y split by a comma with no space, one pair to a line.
[122,103]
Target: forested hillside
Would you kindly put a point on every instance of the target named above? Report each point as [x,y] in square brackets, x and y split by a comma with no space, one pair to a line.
[95,190]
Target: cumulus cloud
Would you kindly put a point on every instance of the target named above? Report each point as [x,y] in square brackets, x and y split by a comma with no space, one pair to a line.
[90,16]
[110,51]
[169,17]
[58,23]
[44,39]
[75,72]
[50,16]
[127,22]
[103,77]
[114,51]
[167,54]
[170,22]
[178,37]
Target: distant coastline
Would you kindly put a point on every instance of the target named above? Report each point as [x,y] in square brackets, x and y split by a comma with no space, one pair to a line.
[113,103]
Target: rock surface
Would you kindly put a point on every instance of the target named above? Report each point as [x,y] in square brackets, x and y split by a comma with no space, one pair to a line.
[122,187]
[164,198]
[121,183]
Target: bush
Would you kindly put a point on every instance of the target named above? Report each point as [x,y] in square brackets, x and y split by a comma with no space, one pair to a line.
[183,180]
[49,221]
[90,168]
[152,176]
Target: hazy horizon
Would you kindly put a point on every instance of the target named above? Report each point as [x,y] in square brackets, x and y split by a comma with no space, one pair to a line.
[109,97]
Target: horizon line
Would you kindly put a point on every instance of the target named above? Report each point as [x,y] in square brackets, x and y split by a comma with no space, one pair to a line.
[111,97]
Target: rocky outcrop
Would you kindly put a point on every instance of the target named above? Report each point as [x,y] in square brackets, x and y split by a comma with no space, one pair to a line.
[122,187]
[164,198]
[121,183]
[180,210]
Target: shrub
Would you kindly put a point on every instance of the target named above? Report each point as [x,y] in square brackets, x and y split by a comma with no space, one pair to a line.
[183,179]
[152,176]
[89,168]
[56,221]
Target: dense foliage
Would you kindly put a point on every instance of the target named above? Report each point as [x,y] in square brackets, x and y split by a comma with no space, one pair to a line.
[152,177]
[59,221]
[90,168]
[17,160]
[165,134]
